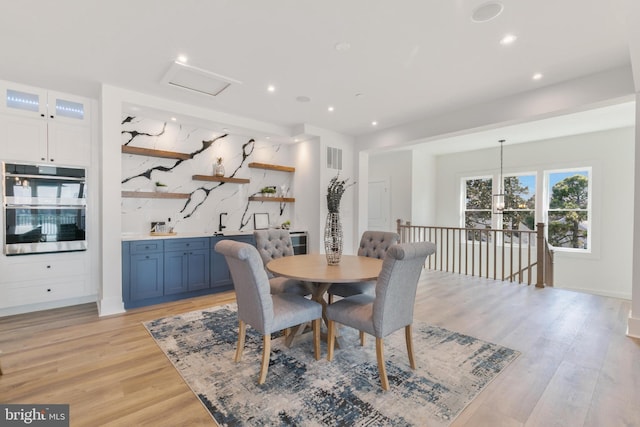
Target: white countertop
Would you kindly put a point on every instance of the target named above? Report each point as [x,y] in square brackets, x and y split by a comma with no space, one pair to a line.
[185,235]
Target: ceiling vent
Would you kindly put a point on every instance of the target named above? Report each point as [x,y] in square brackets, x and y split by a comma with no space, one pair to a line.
[196,79]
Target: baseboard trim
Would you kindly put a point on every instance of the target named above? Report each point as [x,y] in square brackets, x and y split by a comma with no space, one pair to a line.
[619,295]
[29,308]
[109,306]
[633,326]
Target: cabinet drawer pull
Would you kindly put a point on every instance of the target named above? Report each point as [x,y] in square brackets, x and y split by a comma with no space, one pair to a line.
[49,290]
[48,266]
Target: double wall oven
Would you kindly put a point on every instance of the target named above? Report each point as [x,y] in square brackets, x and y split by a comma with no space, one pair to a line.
[44,209]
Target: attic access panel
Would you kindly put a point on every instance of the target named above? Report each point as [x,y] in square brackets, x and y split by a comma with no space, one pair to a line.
[196,79]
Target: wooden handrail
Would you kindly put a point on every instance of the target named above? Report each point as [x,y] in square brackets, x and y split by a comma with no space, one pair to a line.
[501,254]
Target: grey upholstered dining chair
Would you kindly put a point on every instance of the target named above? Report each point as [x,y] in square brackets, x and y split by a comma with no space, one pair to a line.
[392,306]
[276,243]
[373,244]
[260,309]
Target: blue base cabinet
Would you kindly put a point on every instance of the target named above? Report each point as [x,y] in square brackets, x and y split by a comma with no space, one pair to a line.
[186,265]
[220,275]
[162,270]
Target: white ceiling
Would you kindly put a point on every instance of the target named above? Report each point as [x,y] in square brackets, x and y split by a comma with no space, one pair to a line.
[408,59]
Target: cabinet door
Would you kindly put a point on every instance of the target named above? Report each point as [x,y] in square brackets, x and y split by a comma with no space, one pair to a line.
[69,144]
[220,275]
[23,138]
[68,108]
[22,100]
[175,272]
[146,276]
[198,269]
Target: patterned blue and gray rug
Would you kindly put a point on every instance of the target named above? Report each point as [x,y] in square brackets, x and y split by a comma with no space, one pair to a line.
[301,391]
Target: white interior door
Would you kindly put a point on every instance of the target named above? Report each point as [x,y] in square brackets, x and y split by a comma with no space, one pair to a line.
[379,205]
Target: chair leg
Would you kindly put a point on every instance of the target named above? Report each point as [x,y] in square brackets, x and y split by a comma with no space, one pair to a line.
[407,336]
[316,338]
[381,369]
[331,325]
[362,339]
[266,351]
[242,329]
[330,298]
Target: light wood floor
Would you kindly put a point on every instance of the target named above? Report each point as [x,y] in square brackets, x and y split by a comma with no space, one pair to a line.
[577,367]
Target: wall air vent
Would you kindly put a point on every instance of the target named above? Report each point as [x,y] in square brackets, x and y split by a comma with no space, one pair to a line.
[334,158]
[196,79]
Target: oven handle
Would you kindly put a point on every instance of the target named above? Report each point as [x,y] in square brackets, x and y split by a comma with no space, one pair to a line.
[54,177]
[14,206]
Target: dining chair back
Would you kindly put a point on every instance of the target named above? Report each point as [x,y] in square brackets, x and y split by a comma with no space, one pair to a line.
[392,306]
[276,243]
[373,244]
[260,309]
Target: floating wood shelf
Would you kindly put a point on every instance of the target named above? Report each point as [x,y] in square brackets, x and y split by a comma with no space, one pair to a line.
[154,195]
[272,167]
[272,199]
[155,153]
[220,179]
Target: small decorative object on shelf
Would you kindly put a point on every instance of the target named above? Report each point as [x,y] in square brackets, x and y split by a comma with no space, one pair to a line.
[286,225]
[161,188]
[218,168]
[268,191]
[333,226]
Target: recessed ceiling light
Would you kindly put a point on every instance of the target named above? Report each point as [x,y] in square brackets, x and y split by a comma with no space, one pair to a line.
[537,76]
[225,130]
[374,123]
[342,46]
[268,137]
[271,88]
[508,39]
[330,109]
[173,119]
[303,98]
[183,59]
[487,11]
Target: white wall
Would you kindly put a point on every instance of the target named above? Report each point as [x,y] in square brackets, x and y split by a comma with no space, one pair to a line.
[607,269]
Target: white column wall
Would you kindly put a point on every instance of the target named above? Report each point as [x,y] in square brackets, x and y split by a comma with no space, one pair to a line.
[633,328]
[110,298]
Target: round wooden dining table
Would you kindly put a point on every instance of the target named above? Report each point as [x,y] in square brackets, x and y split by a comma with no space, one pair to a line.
[313,268]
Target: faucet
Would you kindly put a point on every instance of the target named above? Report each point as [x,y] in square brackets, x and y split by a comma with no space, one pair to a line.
[220,226]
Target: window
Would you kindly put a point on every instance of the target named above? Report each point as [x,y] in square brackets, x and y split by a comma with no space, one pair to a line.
[477,205]
[564,206]
[569,208]
[520,206]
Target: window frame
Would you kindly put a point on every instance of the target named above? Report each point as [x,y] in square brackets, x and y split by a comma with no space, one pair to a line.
[463,183]
[589,210]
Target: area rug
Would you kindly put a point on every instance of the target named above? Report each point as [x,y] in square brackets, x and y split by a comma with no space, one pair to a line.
[300,391]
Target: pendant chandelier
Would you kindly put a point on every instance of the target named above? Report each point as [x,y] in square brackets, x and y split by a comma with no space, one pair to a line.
[499,199]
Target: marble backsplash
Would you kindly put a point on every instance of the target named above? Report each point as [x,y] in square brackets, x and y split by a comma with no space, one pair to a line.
[200,211]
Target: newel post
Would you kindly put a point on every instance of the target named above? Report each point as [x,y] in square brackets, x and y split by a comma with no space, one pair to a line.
[540,246]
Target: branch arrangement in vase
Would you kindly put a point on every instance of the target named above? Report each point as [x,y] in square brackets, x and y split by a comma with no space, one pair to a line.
[335,191]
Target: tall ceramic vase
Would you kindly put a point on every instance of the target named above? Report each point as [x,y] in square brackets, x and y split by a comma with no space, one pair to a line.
[333,238]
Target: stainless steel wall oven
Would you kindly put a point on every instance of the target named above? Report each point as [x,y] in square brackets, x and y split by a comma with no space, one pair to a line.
[44,209]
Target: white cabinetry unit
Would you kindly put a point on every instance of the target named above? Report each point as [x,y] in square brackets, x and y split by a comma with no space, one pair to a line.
[48,280]
[41,126]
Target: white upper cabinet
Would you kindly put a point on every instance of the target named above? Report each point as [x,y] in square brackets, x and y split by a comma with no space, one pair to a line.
[44,126]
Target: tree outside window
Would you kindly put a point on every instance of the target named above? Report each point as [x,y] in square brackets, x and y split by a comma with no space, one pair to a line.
[569,209]
[520,206]
[477,212]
